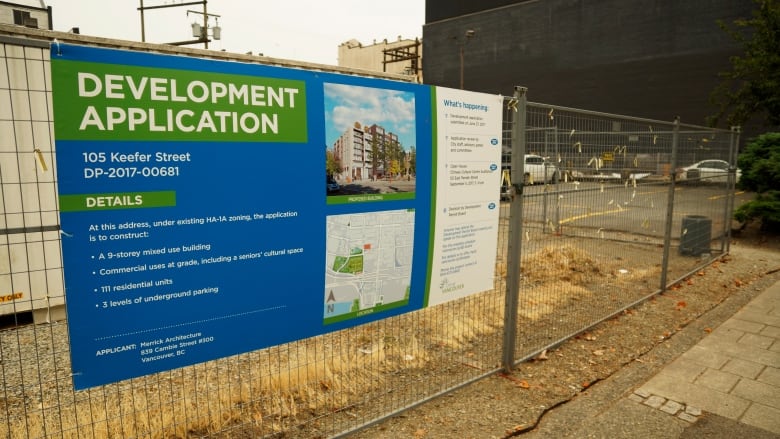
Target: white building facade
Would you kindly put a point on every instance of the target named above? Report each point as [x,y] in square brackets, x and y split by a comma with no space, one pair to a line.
[367,152]
[27,13]
[403,56]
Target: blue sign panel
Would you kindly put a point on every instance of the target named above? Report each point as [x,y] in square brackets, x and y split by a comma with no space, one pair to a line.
[210,208]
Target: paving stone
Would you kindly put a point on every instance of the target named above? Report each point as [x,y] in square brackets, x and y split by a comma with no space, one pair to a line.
[705,356]
[642,392]
[760,341]
[725,333]
[770,375]
[769,357]
[636,398]
[655,401]
[684,369]
[715,379]
[671,407]
[771,331]
[743,368]
[686,417]
[693,411]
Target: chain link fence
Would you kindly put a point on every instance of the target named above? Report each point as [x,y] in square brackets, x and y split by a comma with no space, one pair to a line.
[616,215]
[626,207]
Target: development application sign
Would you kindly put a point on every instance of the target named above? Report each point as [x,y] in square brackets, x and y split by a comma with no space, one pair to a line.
[194,213]
[196,224]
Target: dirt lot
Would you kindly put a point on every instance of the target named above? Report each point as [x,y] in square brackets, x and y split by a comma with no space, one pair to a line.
[509,405]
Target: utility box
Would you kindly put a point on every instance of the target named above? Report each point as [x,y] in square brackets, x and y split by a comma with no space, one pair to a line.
[696,235]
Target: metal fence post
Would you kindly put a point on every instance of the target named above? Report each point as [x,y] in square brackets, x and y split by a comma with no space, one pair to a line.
[515,228]
[732,183]
[544,153]
[556,154]
[670,204]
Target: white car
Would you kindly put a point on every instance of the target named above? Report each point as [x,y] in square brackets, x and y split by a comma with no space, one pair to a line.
[539,170]
[706,171]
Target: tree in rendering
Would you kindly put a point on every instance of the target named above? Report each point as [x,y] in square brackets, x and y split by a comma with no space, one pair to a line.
[332,163]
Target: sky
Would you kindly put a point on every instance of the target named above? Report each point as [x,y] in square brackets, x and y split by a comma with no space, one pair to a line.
[300,30]
[390,109]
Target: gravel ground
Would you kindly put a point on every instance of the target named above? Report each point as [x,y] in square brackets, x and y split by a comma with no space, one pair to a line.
[557,396]
[537,398]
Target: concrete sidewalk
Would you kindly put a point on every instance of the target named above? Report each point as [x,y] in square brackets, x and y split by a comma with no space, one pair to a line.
[724,385]
[734,372]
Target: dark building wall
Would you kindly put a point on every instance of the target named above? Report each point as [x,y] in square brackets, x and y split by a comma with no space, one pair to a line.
[646,58]
[436,10]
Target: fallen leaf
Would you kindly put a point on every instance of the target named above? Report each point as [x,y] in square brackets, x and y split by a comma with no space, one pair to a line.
[689,281]
[585,384]
[523,384]
[701,273]
[708,330]
[737,282]
[420,433]
[542,356]
[598,352]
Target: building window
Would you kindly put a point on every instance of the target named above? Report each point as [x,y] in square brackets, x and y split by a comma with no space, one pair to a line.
[23,18]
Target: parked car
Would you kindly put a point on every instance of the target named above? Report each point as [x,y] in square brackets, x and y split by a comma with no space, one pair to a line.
[505,192]
[706,171]
[540,170]
[331,185]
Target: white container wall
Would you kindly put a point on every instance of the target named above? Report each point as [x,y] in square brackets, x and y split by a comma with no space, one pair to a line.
[30,253]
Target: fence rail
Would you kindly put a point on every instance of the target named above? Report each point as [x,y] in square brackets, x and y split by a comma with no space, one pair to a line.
[619,222]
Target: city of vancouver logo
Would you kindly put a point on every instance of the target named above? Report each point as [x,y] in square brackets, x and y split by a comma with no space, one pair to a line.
[446,286]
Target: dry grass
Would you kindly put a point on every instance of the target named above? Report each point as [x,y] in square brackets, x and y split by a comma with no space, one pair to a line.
[268,389]
[568,264]
[556,275]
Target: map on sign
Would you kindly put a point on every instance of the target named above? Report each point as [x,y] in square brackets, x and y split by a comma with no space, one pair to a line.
[368,263]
